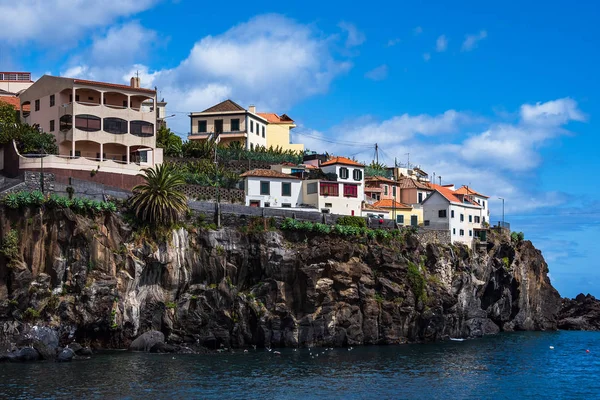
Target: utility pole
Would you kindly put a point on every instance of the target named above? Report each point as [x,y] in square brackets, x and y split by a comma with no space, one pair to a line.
[502,198]
[440,178]
[407,160]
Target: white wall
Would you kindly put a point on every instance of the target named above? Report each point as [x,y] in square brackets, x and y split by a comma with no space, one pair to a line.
[431,209]
[275,198]
[255,137]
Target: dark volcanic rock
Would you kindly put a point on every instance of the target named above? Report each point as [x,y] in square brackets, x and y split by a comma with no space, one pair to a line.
[66,355]
[581,313]
[147,340]
[102,284]
[27,354]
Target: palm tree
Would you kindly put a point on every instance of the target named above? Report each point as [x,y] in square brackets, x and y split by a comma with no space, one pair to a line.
[159,200]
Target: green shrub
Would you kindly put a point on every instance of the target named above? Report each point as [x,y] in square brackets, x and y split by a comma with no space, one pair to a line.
[378,297]
[506,262]
[10,245]
[517,237]
[31,314]
[349,220]
[416,280]
[170,305]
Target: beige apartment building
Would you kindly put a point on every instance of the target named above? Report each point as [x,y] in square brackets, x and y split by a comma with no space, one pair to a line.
[95,121]
[278,132]
[228,122]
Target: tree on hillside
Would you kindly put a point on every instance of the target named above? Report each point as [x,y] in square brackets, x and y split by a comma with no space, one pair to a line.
[159,200]
[169,141]
[30,140]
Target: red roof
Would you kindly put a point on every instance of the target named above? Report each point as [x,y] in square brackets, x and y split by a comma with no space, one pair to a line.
[389,203]
[15,102]
[341,160]
[378,178]
[113,85]
[451,196]
[267,173]
[409,183]
[467,190]
[273,118]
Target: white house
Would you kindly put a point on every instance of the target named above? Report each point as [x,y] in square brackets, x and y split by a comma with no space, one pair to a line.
[458,213]
[480,199]
[269,188]
[342,193]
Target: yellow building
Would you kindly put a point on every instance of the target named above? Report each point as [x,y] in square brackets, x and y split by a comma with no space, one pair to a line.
[278,132]
[403,214]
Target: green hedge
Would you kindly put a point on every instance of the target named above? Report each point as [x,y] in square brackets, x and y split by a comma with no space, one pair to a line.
[290,224]
[37,199]
[349,220]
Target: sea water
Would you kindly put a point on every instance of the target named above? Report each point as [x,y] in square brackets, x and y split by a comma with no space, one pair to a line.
[505,366]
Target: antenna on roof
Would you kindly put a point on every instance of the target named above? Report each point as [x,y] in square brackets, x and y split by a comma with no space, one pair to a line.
[137,73]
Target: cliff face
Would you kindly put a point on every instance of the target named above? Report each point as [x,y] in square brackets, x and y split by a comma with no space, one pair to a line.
[581,313]
[98,282]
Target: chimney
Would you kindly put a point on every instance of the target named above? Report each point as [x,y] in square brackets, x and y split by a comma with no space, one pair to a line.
[135,82]
[252,109]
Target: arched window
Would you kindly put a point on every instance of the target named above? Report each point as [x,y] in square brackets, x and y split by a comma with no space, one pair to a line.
[142,128]
[66,122]
[115,125]
[86,122]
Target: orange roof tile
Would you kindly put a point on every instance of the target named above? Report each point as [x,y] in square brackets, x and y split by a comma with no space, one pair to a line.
[467,190]
[378,178]
[15,102]
[452,196]
[273,118]
[113,85]
[409,183]
[389,203]
[341,160]
[267,173]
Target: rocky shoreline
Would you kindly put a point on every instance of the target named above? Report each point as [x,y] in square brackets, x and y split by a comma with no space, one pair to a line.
[97,282]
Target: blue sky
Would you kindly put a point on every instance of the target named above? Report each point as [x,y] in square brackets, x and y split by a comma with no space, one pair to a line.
[503,96]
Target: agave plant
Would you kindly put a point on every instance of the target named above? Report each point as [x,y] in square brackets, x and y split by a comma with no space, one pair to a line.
[159,200]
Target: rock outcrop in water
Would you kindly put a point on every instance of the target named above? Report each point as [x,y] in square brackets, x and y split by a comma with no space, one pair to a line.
[580,314]
[97,282]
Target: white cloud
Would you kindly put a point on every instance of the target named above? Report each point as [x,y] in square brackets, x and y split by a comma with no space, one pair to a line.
[426,56]
[61,22]
[393,42]
[123,44]
[378,74]
[556,112]
[418,30]
[441,43]
[270,61]
[471,41]
[355,37]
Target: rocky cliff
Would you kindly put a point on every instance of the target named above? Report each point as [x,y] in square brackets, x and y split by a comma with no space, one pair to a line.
[100,283]
[580,313]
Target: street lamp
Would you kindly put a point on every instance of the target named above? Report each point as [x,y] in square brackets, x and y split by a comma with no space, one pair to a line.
[502,198]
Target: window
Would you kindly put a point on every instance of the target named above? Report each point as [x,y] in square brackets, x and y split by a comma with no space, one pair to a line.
[51,100]
[454,231]
[451,213]
[420,197]
[286,205]
[442,214]
[141,128]
[143,156]
[37,105]
[344,173]
[477,220]
[88,123]
[385,190]
[263,131]
[484,220]
[426,222]
[329,189]
[470,232]
[201,126]
[52,125]
[328,205]
[267,205]
[357,175]
[400,219]
[483,203]
[115,125]
[251,126]
[286,189]
[462,217]
[350,190]
[265,188]
[235,125]
[470,218]
[462,232]
[311,188]
[66,123]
